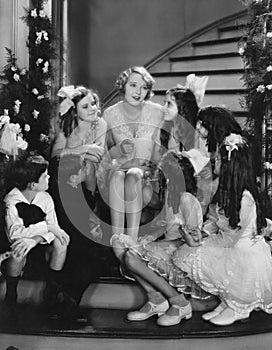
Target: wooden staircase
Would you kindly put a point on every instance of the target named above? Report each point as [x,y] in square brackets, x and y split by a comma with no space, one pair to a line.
[213,51]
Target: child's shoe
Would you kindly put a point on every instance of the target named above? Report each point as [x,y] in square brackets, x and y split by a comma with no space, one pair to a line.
[228,317]
[209,315]
[175,314]
[148,310]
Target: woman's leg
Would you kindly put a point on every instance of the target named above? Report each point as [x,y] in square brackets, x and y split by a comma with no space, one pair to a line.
[116,202]
[90,180]
[133,201]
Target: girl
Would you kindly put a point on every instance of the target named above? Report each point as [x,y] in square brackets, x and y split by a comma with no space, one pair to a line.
[31,220]
[235,264]
[131,126]
[180,115]
[150,263]
[82,131]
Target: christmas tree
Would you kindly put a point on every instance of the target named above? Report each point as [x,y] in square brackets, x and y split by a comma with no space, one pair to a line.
[25,93]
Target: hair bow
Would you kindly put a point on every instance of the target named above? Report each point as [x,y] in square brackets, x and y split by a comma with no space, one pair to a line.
[68,93]
[197,159]
[232,141]
[197,85]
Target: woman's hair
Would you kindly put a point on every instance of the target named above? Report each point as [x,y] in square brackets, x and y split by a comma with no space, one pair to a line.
[236,176]
[23,171]
[68,165]
[69,121]
[123,79]
[188,109]
[219,122]
[178,172]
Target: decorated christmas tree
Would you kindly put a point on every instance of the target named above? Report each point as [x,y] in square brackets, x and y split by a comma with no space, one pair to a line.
[25,99]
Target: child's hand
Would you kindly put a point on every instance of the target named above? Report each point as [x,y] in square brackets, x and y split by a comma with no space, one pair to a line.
[62,236]
[4,256]
[95,150]
[22,246]
[192,236]
[127,146]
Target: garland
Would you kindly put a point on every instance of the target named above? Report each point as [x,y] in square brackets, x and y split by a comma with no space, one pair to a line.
[25,94]
[255,48]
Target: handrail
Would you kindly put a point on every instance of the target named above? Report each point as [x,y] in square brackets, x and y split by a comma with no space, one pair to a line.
[113,93]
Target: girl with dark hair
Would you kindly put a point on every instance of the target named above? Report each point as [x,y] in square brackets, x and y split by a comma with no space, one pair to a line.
[82,131]
[234,262]
[31,220]
[150,260]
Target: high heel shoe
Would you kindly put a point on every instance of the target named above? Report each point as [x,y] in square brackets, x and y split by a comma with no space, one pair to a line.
[170,320]
[209,315]
[149,309]
[228,317]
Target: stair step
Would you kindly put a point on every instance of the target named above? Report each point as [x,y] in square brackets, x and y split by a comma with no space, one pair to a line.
[217,61]
[109,330]
[216,46]
[229,78]
[231,31]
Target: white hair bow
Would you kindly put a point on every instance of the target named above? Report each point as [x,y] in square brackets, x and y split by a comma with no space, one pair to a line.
[68,93]
[232,141]
[197,85]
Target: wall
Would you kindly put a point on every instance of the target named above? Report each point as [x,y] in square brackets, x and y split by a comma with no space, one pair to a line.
[107,36]
[13,31]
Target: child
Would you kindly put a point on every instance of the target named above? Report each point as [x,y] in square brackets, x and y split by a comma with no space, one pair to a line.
[180,115]
[131,126]
[158,276]
[236,263]
[74,210]
[82,131]
[31,220]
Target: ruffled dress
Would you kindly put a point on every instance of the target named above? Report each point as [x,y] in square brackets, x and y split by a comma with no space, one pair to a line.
[159,254]
[234,264]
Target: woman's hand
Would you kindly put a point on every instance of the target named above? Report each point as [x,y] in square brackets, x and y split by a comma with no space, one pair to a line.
[22,246]
[127,146]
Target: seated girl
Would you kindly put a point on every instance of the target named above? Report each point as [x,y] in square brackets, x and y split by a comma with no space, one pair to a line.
[31,220]
[178,129]
[131,126]
[150,262]
[236,263]
[82,131]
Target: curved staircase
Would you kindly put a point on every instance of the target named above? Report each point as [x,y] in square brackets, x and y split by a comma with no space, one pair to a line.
[212,51]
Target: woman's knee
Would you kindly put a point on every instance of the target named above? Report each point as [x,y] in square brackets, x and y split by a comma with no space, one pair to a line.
[134,174]
[14,265]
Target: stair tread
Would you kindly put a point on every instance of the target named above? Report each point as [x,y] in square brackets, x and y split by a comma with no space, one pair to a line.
[202,71]
[205,56]
[105,323]
[232,27]
[216,41]
[209,91]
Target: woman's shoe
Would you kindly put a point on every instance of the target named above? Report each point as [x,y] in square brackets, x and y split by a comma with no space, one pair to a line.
[148,310]
[228,317]
[170,320]
[209,315]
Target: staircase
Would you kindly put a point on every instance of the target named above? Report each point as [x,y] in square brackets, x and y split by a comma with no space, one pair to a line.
[213,51]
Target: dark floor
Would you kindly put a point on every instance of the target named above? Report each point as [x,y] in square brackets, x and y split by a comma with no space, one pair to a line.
[113,324]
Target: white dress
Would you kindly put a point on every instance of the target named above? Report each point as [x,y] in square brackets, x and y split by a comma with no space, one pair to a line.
[234,264]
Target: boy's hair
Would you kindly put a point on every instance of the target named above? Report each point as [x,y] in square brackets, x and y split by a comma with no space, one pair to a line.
[123,79]
[236,176]
[68,165]
[69,121]
[23,171]
[187,109]
[220,122]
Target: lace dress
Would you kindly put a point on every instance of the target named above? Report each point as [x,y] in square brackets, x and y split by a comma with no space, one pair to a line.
[233,264]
